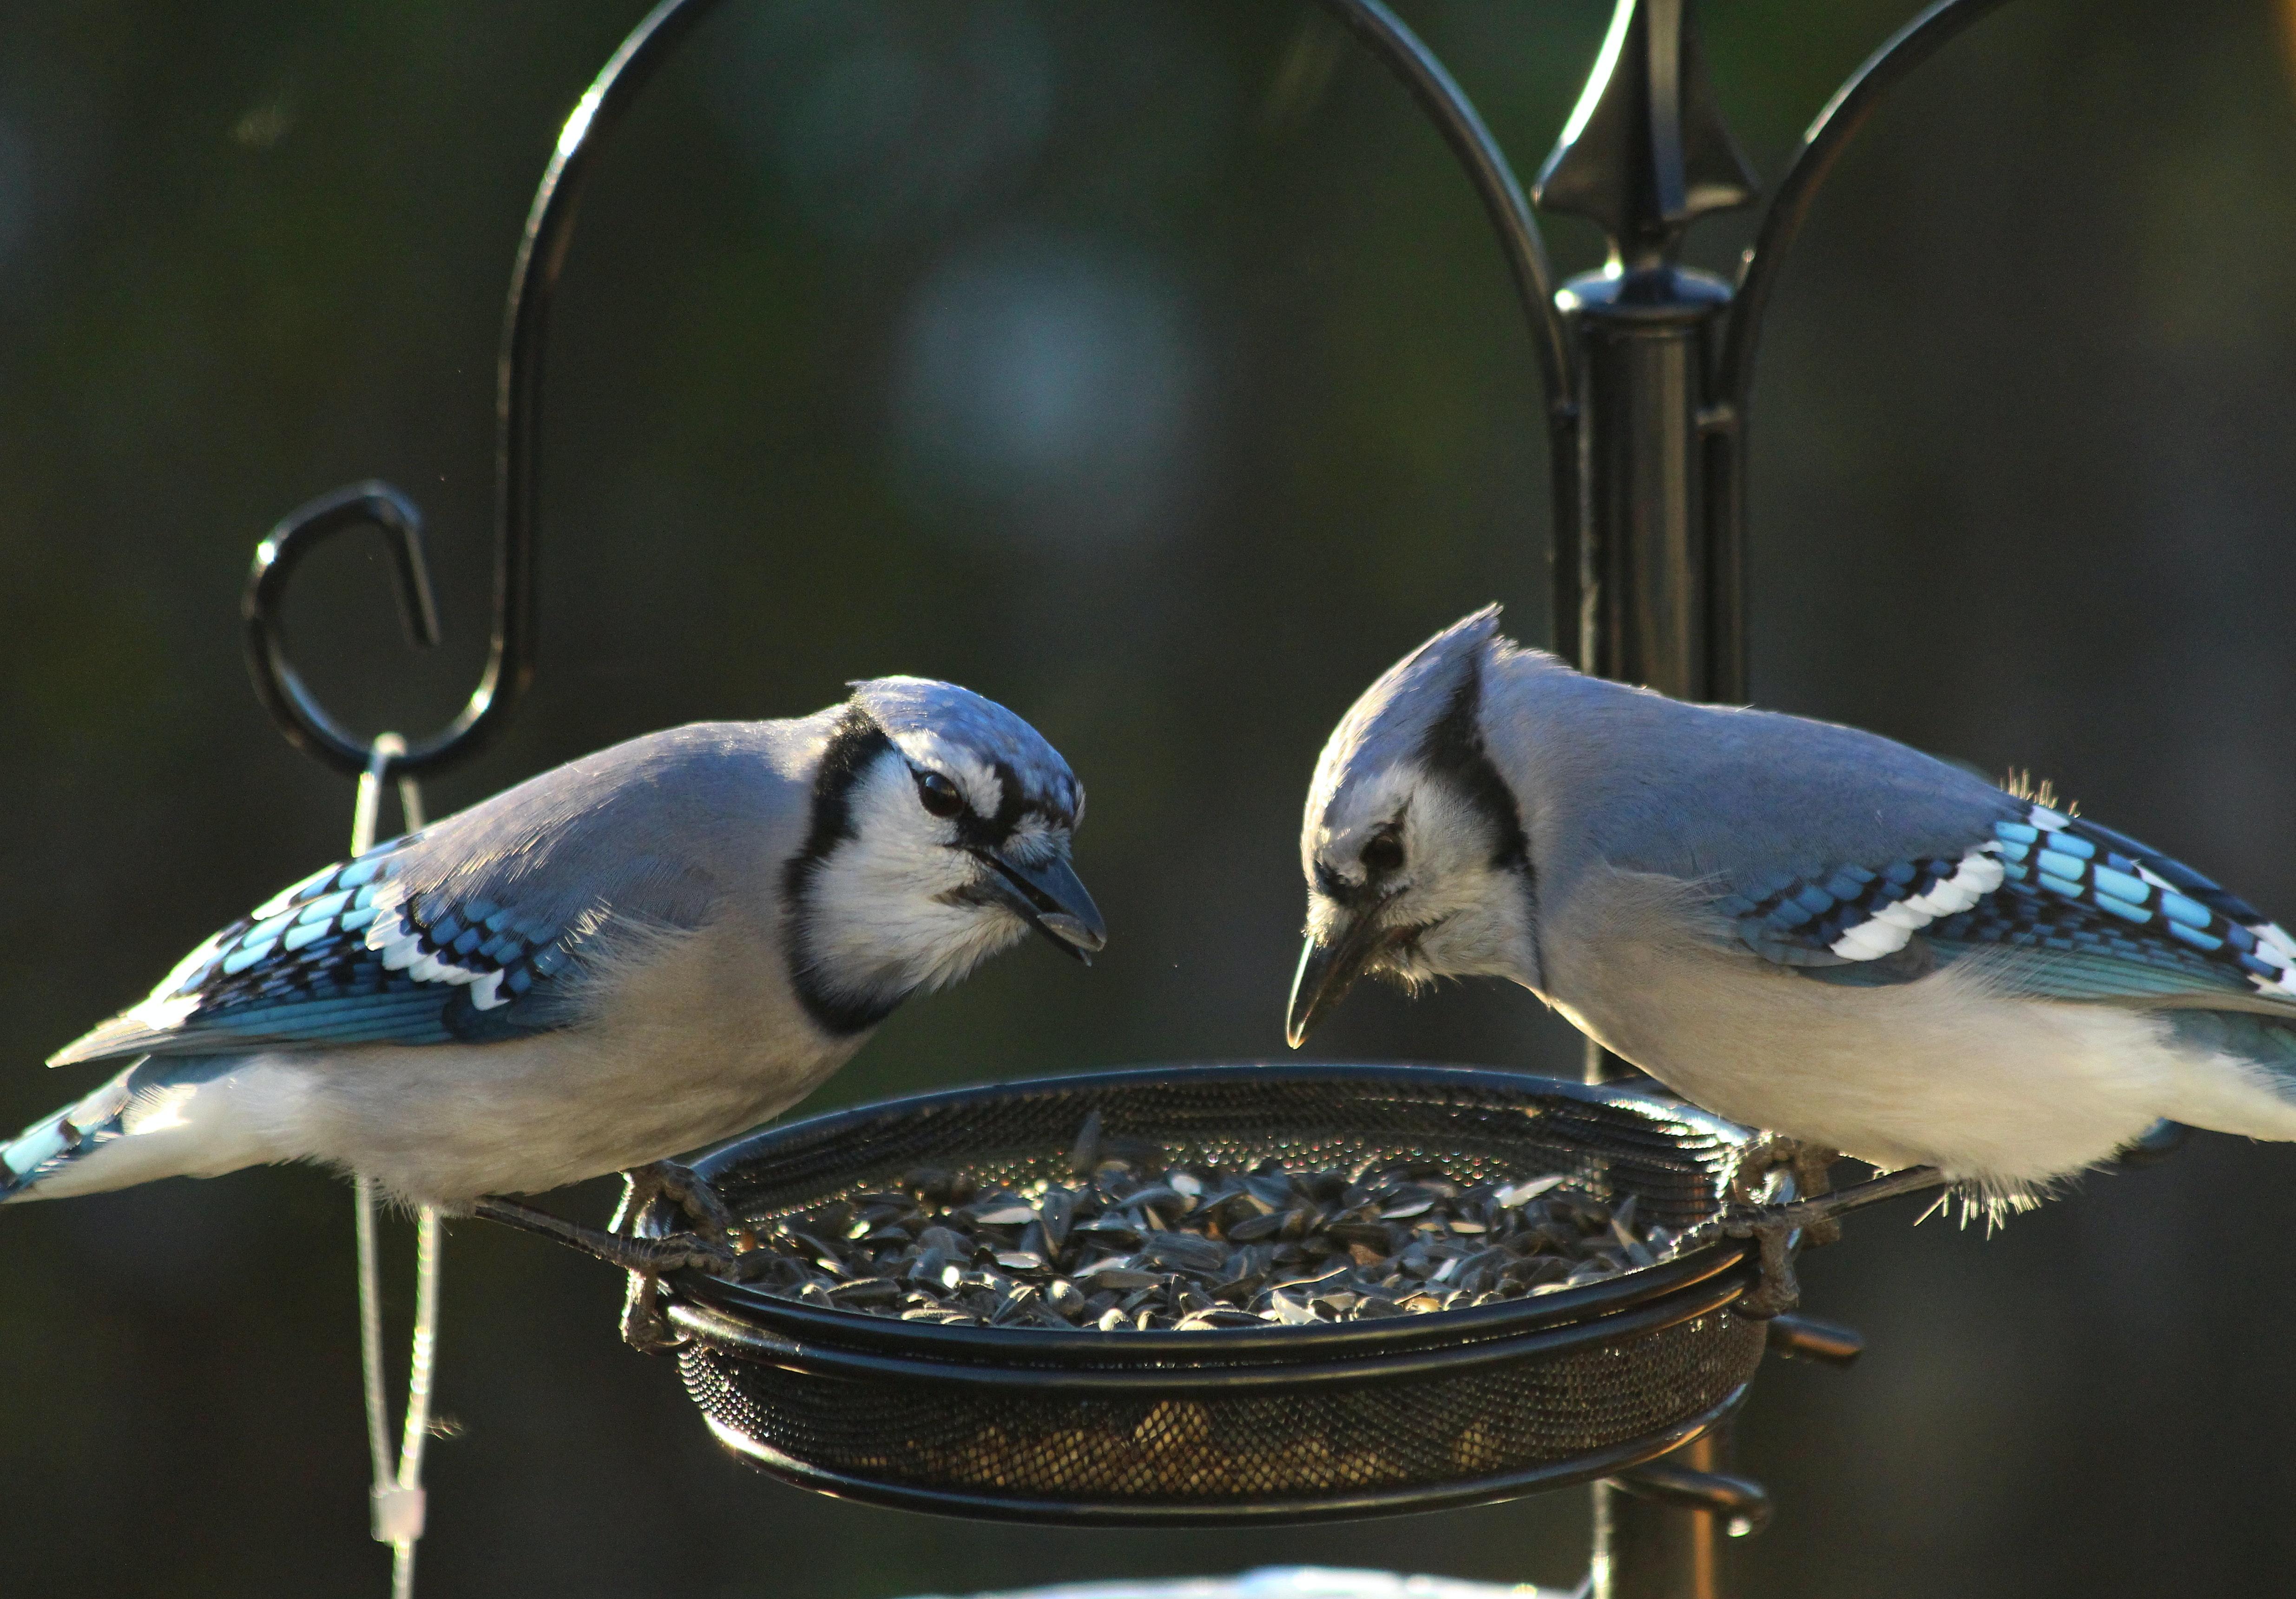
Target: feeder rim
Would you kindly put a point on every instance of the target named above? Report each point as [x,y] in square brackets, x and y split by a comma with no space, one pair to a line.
[1595,1304]
[713,1163]
[1717,1289]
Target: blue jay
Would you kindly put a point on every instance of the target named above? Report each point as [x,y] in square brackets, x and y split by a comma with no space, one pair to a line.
[648,949]
[1803,927]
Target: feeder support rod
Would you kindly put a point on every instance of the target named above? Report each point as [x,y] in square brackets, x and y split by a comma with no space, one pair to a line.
[1650,556]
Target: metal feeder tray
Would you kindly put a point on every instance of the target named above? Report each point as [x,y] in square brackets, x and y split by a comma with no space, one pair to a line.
[1264,1424]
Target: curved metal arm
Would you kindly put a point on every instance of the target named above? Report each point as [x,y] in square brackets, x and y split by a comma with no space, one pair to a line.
[1454,117]
[534,280]
[1821,147]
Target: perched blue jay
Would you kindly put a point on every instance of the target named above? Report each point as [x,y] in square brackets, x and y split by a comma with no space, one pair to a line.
[1802,927]
[652,947]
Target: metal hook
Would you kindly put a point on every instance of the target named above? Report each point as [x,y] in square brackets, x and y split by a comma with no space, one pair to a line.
[534,280]
[534,277]
[277,684]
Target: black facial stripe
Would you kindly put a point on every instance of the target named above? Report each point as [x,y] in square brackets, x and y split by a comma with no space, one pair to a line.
[977,832]
[1009,800]
[1346,895]
[856,744]
[1454,751]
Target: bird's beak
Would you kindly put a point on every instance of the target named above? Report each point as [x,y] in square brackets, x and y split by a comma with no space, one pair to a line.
[1050,898]
[1327,971]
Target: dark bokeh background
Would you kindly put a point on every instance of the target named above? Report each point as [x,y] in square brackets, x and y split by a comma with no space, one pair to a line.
[1148,366]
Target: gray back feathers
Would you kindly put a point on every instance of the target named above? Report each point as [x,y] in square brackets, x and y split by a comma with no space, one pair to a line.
[653,829]
[1601,773]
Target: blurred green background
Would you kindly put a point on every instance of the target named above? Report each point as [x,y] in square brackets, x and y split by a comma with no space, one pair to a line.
[1147,366]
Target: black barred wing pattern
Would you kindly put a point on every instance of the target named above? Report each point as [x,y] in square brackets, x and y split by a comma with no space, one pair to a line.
[2089,914]
[346,957]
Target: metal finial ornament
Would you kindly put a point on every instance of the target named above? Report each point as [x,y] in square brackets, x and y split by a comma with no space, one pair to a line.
[1647,596]
[1646,154]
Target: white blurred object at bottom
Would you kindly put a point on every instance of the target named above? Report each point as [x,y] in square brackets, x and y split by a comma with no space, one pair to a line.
[1293,1582]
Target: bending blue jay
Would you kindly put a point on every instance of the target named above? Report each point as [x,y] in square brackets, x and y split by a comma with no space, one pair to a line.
[1802,927]
[648,949]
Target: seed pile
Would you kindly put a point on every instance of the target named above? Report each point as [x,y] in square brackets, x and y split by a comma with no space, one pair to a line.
[1132,1243]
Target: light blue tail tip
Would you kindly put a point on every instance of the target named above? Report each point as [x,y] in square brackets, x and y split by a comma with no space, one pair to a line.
[21,1161]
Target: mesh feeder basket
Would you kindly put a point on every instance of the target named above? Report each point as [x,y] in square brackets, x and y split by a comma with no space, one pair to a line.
[1267,1422]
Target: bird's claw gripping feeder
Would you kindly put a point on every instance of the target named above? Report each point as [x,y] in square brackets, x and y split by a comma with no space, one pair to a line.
[1647,368]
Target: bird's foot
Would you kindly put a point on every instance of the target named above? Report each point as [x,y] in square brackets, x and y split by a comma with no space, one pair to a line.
[1750,1210]
[1772,1224]
[1813,1176]
[675,1252]
[644,1327]
[666,1180]
[1779,1289]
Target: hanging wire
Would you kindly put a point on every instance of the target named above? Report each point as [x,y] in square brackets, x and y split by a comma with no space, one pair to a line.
[397,1495]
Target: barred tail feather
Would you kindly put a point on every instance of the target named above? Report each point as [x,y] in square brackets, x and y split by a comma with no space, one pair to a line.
[161,1117]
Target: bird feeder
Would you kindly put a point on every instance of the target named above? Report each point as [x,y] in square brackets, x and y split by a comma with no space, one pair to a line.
[1647,367]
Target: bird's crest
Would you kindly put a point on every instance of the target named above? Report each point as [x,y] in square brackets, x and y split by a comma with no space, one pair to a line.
[952,726]
[1389,729]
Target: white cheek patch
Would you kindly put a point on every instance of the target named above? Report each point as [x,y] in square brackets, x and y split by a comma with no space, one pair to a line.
[888,908]
[1472,909]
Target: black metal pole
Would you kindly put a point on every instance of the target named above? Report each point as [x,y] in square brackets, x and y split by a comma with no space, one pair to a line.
[1649,567]
[1649,584]
[1650,598]
[1649,1546]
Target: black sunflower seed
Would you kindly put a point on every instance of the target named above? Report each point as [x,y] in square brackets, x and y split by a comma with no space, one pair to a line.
[1135,1241]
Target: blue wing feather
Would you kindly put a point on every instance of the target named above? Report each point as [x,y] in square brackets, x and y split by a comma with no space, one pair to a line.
[1796,919]
[484,926]
[2081,912]
[345,957]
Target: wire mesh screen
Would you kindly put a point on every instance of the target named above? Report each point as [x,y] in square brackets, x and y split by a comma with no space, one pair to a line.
[1340,1418]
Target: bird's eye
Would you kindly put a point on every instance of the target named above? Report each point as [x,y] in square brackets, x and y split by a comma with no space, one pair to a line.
[939,795]
[1382,855]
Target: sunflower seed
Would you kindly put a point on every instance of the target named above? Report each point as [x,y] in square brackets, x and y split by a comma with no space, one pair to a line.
[1292,1312]
[1083,1154]
[1055,1211]
[1522,1193]
[1138,1242]
[1122,1279]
